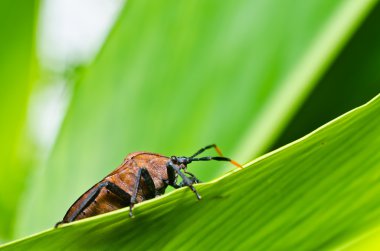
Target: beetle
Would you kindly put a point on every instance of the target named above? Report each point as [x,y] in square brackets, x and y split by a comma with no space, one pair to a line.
[141,176]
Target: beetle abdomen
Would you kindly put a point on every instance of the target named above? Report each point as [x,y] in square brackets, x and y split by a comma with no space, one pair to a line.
[104,201]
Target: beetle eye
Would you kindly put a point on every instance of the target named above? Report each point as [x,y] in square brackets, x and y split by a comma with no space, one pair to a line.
[173,159]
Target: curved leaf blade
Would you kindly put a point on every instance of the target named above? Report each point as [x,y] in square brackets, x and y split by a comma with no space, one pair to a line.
[319,192]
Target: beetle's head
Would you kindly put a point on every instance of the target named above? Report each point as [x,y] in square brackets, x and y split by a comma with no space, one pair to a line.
[180,161]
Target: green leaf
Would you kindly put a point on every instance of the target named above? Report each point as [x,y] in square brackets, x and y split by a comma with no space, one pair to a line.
[321,192]
[174,76]
[338,91]
[17,67]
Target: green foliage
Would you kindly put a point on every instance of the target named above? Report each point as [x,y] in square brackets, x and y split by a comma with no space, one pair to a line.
[17,66]
[350,81]
[174,76]
[319,193]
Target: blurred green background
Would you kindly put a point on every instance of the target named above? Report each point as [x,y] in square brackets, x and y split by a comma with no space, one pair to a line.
[83,84]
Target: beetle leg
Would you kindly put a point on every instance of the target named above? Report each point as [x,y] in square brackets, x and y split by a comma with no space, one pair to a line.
[142,173]
[115,189]
[134,193]
[149,184]
[172,184]
[94,194]
[171,177]
[185,180]
[193,178]
[58,223]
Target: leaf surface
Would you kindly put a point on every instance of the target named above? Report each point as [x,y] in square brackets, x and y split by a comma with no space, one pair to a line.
[320,192]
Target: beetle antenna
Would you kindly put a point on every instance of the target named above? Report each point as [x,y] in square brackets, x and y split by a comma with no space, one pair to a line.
[218,158]
[217,149]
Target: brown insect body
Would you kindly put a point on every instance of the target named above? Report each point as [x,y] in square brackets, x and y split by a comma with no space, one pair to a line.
[125,177]
[141,176]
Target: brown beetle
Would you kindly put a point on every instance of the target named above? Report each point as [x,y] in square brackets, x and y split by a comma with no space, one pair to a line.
[141,176]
